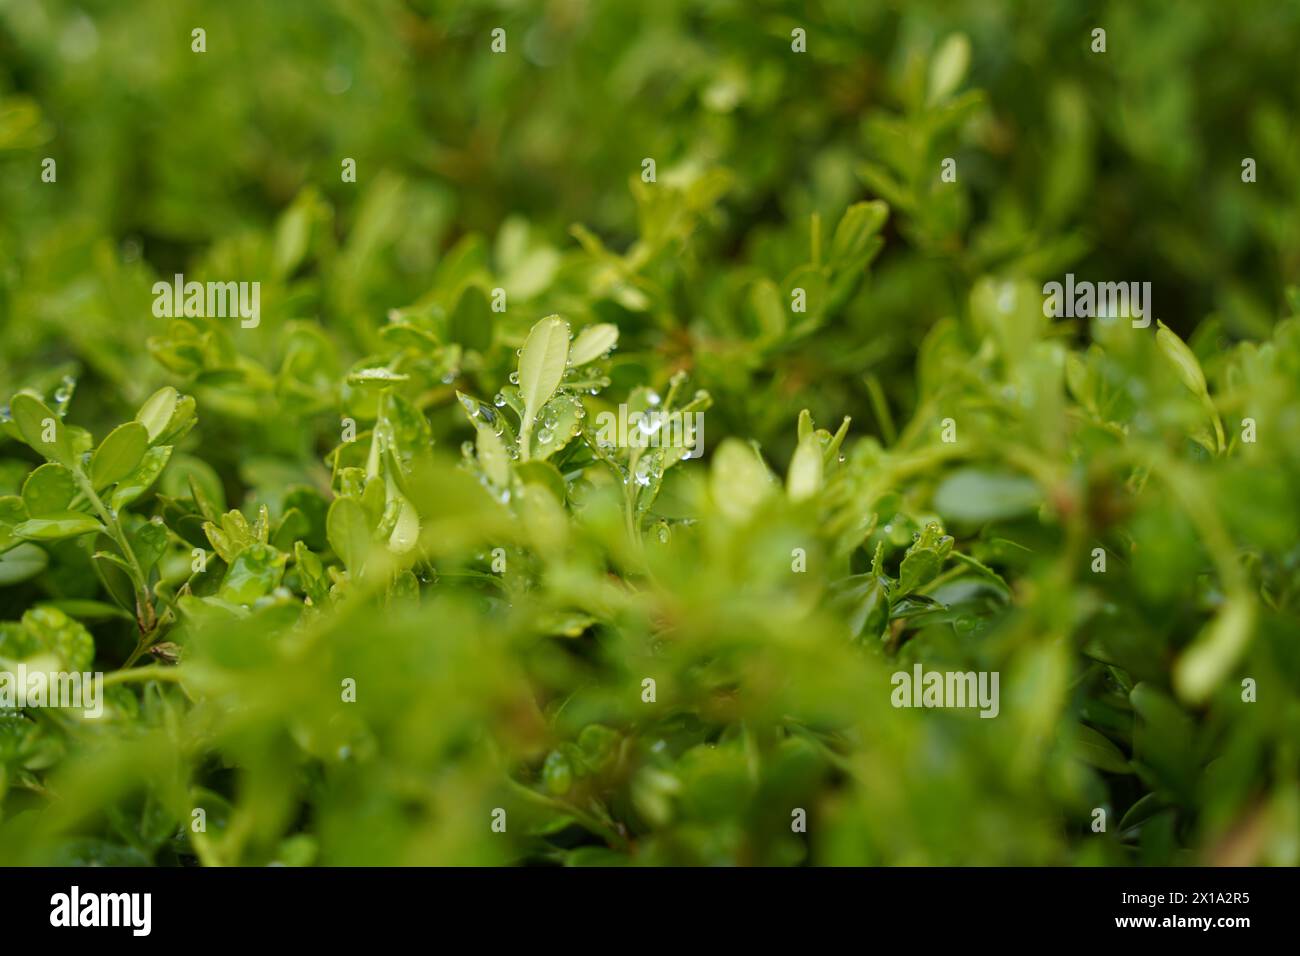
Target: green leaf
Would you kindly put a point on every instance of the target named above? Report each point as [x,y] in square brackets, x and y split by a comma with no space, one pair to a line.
[13,511]
[593,342]
[852,243]
[311,573]
[542,364]
[406,529]
[864,602]
[255,573]
[470,324]
[1216,651]
[149,543]
[977,495]
[376,377]
[62,636]
[36,423]
[544,475]
[87,610]
[21,562]
[492,455]
[805,478]
[924,559]
[119,454]
[1143,809]
[1097,750]
[348,531]
[182,419]
[52,527]
[1182,358]
[115,574]
[769,309]
[560,420]
[142,478]
[739,480]
[948,67]
[157,411]
[48,490]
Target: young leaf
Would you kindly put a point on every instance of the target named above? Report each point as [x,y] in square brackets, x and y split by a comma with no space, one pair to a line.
[348,531]
[948,67]
[255,572]
[119,454]
[593,342]
[739,480]
[493,457]
[42,429]
[541,367]
[1183,359]
[924,559]
[805,478]
[157,410]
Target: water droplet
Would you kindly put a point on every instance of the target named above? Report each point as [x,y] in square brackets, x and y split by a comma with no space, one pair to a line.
[471,406]
[499,401]
[647,470]
[5,414]
[544,435]
[653,398]
[467,448]
[514,378]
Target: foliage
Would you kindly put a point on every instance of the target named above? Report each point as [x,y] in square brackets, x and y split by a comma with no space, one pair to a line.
[390,488]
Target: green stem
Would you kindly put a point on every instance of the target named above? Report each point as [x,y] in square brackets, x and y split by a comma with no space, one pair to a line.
[152,672]
[144,611]
[525,437]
